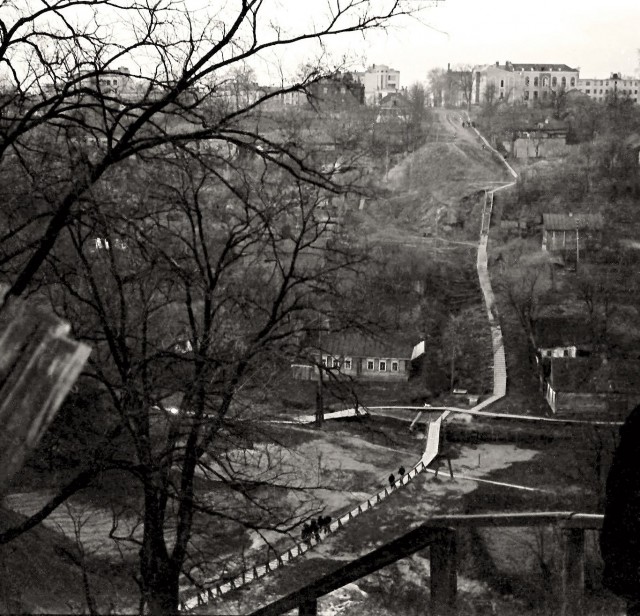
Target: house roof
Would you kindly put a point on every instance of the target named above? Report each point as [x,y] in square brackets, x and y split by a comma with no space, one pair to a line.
[394,99]
[540,67]
[352,344]
[595,375]
[569,222]
[553,332]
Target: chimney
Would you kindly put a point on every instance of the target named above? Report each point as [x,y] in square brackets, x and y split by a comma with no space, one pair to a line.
[497,63]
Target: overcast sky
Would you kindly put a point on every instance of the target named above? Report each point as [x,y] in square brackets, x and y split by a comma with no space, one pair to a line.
[599,37]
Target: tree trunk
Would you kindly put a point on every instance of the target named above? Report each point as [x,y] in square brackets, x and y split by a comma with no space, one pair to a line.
[160,576]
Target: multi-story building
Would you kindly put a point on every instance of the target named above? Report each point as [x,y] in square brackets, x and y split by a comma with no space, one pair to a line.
[615,85]
[378,81]
[522,83]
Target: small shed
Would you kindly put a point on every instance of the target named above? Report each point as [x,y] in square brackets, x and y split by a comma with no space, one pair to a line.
[571,234]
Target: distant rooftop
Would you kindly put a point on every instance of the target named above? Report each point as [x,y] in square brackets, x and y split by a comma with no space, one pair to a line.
[571,222]
[538,67]
[350,344]
[562,332]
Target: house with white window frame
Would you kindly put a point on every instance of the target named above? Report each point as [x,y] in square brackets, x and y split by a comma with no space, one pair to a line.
[362,357]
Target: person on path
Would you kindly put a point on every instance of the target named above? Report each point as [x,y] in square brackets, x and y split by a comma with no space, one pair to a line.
[620,536]
[401,471]
[305,533]
[392,479]
[313,529]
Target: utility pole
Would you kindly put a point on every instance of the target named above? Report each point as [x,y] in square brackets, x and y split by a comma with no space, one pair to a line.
[577,247]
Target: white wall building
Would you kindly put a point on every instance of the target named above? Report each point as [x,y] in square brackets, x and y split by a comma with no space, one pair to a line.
[378,81]
[598,89]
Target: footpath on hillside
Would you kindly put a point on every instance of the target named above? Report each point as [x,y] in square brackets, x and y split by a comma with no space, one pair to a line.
[499,388]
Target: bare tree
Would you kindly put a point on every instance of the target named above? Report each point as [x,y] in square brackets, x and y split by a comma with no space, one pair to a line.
[233,260]
[64,78]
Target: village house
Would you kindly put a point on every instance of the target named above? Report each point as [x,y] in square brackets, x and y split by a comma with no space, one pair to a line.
[562,337]
[592,386]
[393,106]
[360,357]
[570,234]
[540,139]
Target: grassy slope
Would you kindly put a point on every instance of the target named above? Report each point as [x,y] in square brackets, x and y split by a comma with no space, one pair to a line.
[40,571]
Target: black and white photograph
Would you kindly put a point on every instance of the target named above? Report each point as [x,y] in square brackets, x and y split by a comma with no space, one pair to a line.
[320,307]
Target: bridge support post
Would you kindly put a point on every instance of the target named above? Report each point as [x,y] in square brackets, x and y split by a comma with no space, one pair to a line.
[572,572]
[308,608]
[444,577]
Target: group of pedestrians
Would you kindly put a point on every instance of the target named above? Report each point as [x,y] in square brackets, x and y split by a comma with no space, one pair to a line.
[313,528]
[392,477]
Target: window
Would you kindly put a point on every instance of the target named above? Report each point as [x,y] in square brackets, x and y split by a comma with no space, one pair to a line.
[324,361]
[526,95]
[544,95]
[554,81]
[588,91]
[382,365]
[563,82]
[535,82]
[535,94]
[347,363]
[369,364]
[545,82]
[336,363]
[588,83]
[501,95]
[394,366]
[502,83]
[607,83]
[565,353]
[573,81]
[526,81]
[600,90]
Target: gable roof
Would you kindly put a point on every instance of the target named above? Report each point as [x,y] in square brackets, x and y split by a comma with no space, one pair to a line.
[553,332]
[595,376]
[541,67]
[571,222]
[351,344]
[394,99]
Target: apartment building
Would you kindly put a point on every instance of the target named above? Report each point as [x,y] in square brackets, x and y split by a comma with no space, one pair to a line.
[378,81]
[522,83]
[616,84]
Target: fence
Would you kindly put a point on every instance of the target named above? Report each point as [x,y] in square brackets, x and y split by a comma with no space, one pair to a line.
[439,534]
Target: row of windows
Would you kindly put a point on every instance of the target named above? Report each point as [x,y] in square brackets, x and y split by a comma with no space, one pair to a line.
[588,91]
[346,363]
[606,83]
[545,82]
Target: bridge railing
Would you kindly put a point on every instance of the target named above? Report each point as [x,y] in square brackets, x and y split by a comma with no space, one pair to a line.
[439,535]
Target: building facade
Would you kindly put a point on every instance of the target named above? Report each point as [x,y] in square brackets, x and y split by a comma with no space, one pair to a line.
[615,85]
[522,83]
[378,81]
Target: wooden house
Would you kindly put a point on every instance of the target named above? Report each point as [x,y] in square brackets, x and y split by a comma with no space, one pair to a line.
[562,337]
[592,386]
[571,235]
[361,357]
